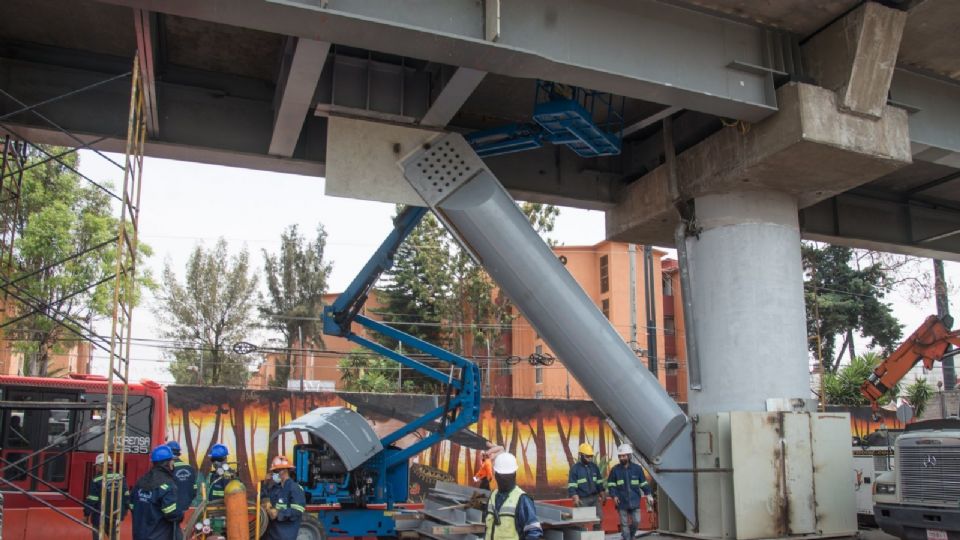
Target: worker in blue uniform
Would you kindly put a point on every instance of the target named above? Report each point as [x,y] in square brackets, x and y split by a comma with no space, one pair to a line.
[116,486]
[585,484]
[186,477]
[154,500]
[628,486]
[284,501]
[510,513]
[220,473]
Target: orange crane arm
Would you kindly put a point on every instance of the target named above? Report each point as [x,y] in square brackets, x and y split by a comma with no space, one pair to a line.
[928,343]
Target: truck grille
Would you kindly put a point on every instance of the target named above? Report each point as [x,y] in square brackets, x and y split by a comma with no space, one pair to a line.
[929,473]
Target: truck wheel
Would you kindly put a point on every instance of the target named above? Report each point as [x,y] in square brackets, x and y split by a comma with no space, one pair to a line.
[311,529]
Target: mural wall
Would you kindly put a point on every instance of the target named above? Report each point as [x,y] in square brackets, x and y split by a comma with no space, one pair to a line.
[543,434]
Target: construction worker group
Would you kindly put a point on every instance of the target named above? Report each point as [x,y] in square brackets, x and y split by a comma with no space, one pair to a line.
[161,497]
[511,514]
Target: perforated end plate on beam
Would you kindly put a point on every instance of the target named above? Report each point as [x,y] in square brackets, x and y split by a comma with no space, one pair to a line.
[441,167]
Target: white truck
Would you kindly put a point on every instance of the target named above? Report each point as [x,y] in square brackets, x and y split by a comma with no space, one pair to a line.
[920,498]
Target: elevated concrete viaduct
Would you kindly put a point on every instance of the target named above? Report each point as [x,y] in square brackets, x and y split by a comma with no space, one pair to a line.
[748,125]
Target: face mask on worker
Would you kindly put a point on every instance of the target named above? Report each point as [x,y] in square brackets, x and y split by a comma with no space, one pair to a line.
[624,460]
[275,477]
[506,482]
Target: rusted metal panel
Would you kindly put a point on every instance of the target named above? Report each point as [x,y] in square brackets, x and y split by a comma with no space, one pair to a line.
[758,478]
[836,505]
[798,493]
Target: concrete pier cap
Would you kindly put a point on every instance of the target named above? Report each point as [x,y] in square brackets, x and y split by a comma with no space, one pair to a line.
[745,186]
[810,149]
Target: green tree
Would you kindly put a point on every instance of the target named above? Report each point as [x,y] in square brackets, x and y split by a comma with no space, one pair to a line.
[296,282]
[212,309]
[413,293]
[842,300]
[363,371]
[57,267]
[842,387]
[918,394]
[543,218]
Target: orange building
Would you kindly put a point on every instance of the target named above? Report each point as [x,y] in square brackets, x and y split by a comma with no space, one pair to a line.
[650,328]
[74,359]
[604,272]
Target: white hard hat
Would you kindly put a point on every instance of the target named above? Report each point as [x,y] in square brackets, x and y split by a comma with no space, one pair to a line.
[101,458]
[625,449]
[505,464]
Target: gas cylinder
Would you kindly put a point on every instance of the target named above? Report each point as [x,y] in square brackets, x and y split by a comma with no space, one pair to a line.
[235,500]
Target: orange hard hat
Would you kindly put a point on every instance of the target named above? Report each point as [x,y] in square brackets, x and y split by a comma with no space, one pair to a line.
[280,462]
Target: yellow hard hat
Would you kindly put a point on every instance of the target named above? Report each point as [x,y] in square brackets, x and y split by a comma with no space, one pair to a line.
[586,449]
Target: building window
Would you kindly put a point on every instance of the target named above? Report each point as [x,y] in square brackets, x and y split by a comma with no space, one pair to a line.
[667,285]
[538,349]
[605,308]
[669,326]
[539,394]
[538,373]
[604,274]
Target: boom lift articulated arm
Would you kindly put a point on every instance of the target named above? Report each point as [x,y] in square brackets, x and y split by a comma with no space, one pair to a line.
[346,466]
[462,404]
[928,343]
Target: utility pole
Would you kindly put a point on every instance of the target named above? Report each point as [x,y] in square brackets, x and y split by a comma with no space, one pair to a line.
[943,310]
[302,361]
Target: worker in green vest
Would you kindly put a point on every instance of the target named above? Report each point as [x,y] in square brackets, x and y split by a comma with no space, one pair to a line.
[510,513]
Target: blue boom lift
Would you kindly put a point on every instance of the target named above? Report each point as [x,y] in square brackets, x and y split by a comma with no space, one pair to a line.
[345,467]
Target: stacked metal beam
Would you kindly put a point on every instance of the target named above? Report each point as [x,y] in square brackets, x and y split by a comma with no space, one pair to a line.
[446,515]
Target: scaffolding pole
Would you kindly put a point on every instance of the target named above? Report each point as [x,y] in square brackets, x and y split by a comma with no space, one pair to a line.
[124,296]
[11,180]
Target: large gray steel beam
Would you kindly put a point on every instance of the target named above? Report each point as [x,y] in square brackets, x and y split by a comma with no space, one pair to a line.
[450,178]
[453,95]
[298,82]
[198,125]
[643,49]
[869,221]
[933,105]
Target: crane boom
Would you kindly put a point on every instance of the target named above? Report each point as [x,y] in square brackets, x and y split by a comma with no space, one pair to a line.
[928,343]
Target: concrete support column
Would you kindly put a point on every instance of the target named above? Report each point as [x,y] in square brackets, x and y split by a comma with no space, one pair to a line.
[748,306]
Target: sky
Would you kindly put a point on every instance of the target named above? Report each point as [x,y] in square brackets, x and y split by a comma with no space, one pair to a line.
[184,204]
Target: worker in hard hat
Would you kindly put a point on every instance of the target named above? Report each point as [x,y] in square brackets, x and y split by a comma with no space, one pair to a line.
[154,501]
[510,513]
[585,485]
[284,501]
[116,487]
[220,473]
[485,474]
[628,486]
[186,477]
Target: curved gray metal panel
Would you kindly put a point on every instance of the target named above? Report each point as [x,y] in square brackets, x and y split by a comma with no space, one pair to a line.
[486,220]
[348,433]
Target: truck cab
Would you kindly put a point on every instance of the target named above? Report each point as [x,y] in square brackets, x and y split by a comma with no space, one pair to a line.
[920,498]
